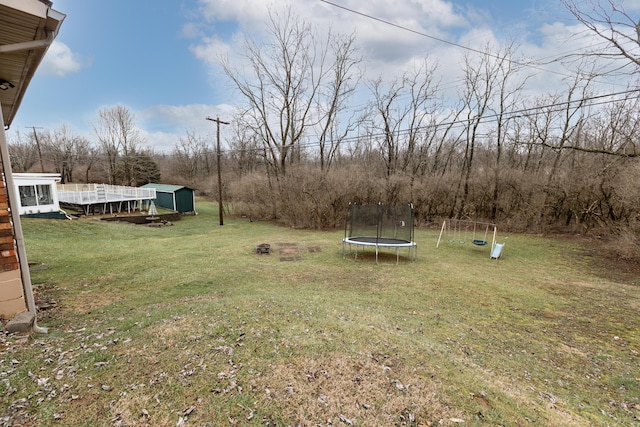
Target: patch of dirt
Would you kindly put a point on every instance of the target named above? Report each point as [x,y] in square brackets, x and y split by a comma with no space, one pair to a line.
[289,251]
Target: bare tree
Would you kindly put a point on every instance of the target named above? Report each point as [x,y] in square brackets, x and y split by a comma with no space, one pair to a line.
[91,156]
[507,98]
[120,141]
[245,152]
[193,157]
[64,148]
[609,21]
[402,113]
[285,80]
[23,152]
[619,33]
[331,102]
[387,117]
[480,88]
[563,128]
[616,128]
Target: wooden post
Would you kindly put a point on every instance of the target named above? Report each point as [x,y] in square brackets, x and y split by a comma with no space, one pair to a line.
[219,154]
[35,135]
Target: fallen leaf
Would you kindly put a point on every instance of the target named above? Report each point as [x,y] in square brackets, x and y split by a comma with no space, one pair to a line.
[345,420]
[188,411]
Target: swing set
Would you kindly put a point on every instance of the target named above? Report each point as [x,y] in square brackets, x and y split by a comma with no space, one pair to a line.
[462,231]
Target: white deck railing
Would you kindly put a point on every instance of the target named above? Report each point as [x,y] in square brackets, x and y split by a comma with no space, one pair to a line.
[82,194]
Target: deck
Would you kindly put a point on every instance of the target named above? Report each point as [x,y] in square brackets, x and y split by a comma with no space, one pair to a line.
[105,198]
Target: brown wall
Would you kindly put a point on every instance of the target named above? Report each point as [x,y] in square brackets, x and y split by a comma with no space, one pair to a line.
[12,299]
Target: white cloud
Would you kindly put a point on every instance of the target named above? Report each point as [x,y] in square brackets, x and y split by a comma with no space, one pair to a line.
[380,41]
[191,30]
[166,123]
[210,49]
[247,12]
[392,36]
[60,60]
[631,5]
[160,142]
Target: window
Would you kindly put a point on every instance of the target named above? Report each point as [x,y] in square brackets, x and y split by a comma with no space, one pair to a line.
[44,194]
[28,195]
[35,195]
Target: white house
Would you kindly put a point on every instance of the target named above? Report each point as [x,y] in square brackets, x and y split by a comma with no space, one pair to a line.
[38,195]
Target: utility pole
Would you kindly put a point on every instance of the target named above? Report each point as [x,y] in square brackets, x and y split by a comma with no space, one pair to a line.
[218,123]
[35,135]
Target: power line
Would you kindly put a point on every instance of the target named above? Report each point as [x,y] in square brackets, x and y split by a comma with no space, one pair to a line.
[441,40]
[534,64]
[553,107]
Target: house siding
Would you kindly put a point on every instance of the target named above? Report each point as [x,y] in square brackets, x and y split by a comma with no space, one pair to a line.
[12,299]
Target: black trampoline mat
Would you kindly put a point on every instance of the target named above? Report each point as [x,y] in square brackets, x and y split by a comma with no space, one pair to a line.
[382,241]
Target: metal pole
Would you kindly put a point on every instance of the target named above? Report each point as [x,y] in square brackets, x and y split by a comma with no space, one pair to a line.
[219,154]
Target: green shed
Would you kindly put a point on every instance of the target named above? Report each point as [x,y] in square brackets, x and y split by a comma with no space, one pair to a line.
[175,197]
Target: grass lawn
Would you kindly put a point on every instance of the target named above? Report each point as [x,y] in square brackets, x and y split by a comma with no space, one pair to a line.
[187,325]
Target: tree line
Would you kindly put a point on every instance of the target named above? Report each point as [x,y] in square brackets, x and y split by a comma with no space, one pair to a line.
[301,148]
[119,155]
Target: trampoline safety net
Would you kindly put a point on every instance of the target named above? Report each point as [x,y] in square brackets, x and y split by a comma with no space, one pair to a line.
[378,223]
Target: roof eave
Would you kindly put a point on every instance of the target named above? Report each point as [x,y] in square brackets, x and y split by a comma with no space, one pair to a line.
[50,21]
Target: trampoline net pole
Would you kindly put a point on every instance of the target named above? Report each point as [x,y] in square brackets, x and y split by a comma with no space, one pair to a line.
[444,223]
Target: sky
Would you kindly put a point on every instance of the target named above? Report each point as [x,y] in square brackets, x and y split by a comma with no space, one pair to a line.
[160,58]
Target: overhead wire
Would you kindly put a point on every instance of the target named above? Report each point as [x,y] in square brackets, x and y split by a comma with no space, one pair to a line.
[553,107]
[535,64]
[445,41]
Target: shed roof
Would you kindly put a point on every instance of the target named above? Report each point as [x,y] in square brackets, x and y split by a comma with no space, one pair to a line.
[165,188]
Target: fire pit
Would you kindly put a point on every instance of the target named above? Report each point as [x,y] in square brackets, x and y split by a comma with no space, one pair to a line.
[263,248]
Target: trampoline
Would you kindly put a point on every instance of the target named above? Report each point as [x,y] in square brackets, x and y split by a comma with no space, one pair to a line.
[379,226]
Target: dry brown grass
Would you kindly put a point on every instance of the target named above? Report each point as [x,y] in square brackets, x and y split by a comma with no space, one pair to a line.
[359,390]
[626,245]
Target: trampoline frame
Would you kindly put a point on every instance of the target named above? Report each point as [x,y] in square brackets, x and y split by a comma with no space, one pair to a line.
[378,241]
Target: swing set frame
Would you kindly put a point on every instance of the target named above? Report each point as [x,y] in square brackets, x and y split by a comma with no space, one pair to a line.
[458,230]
